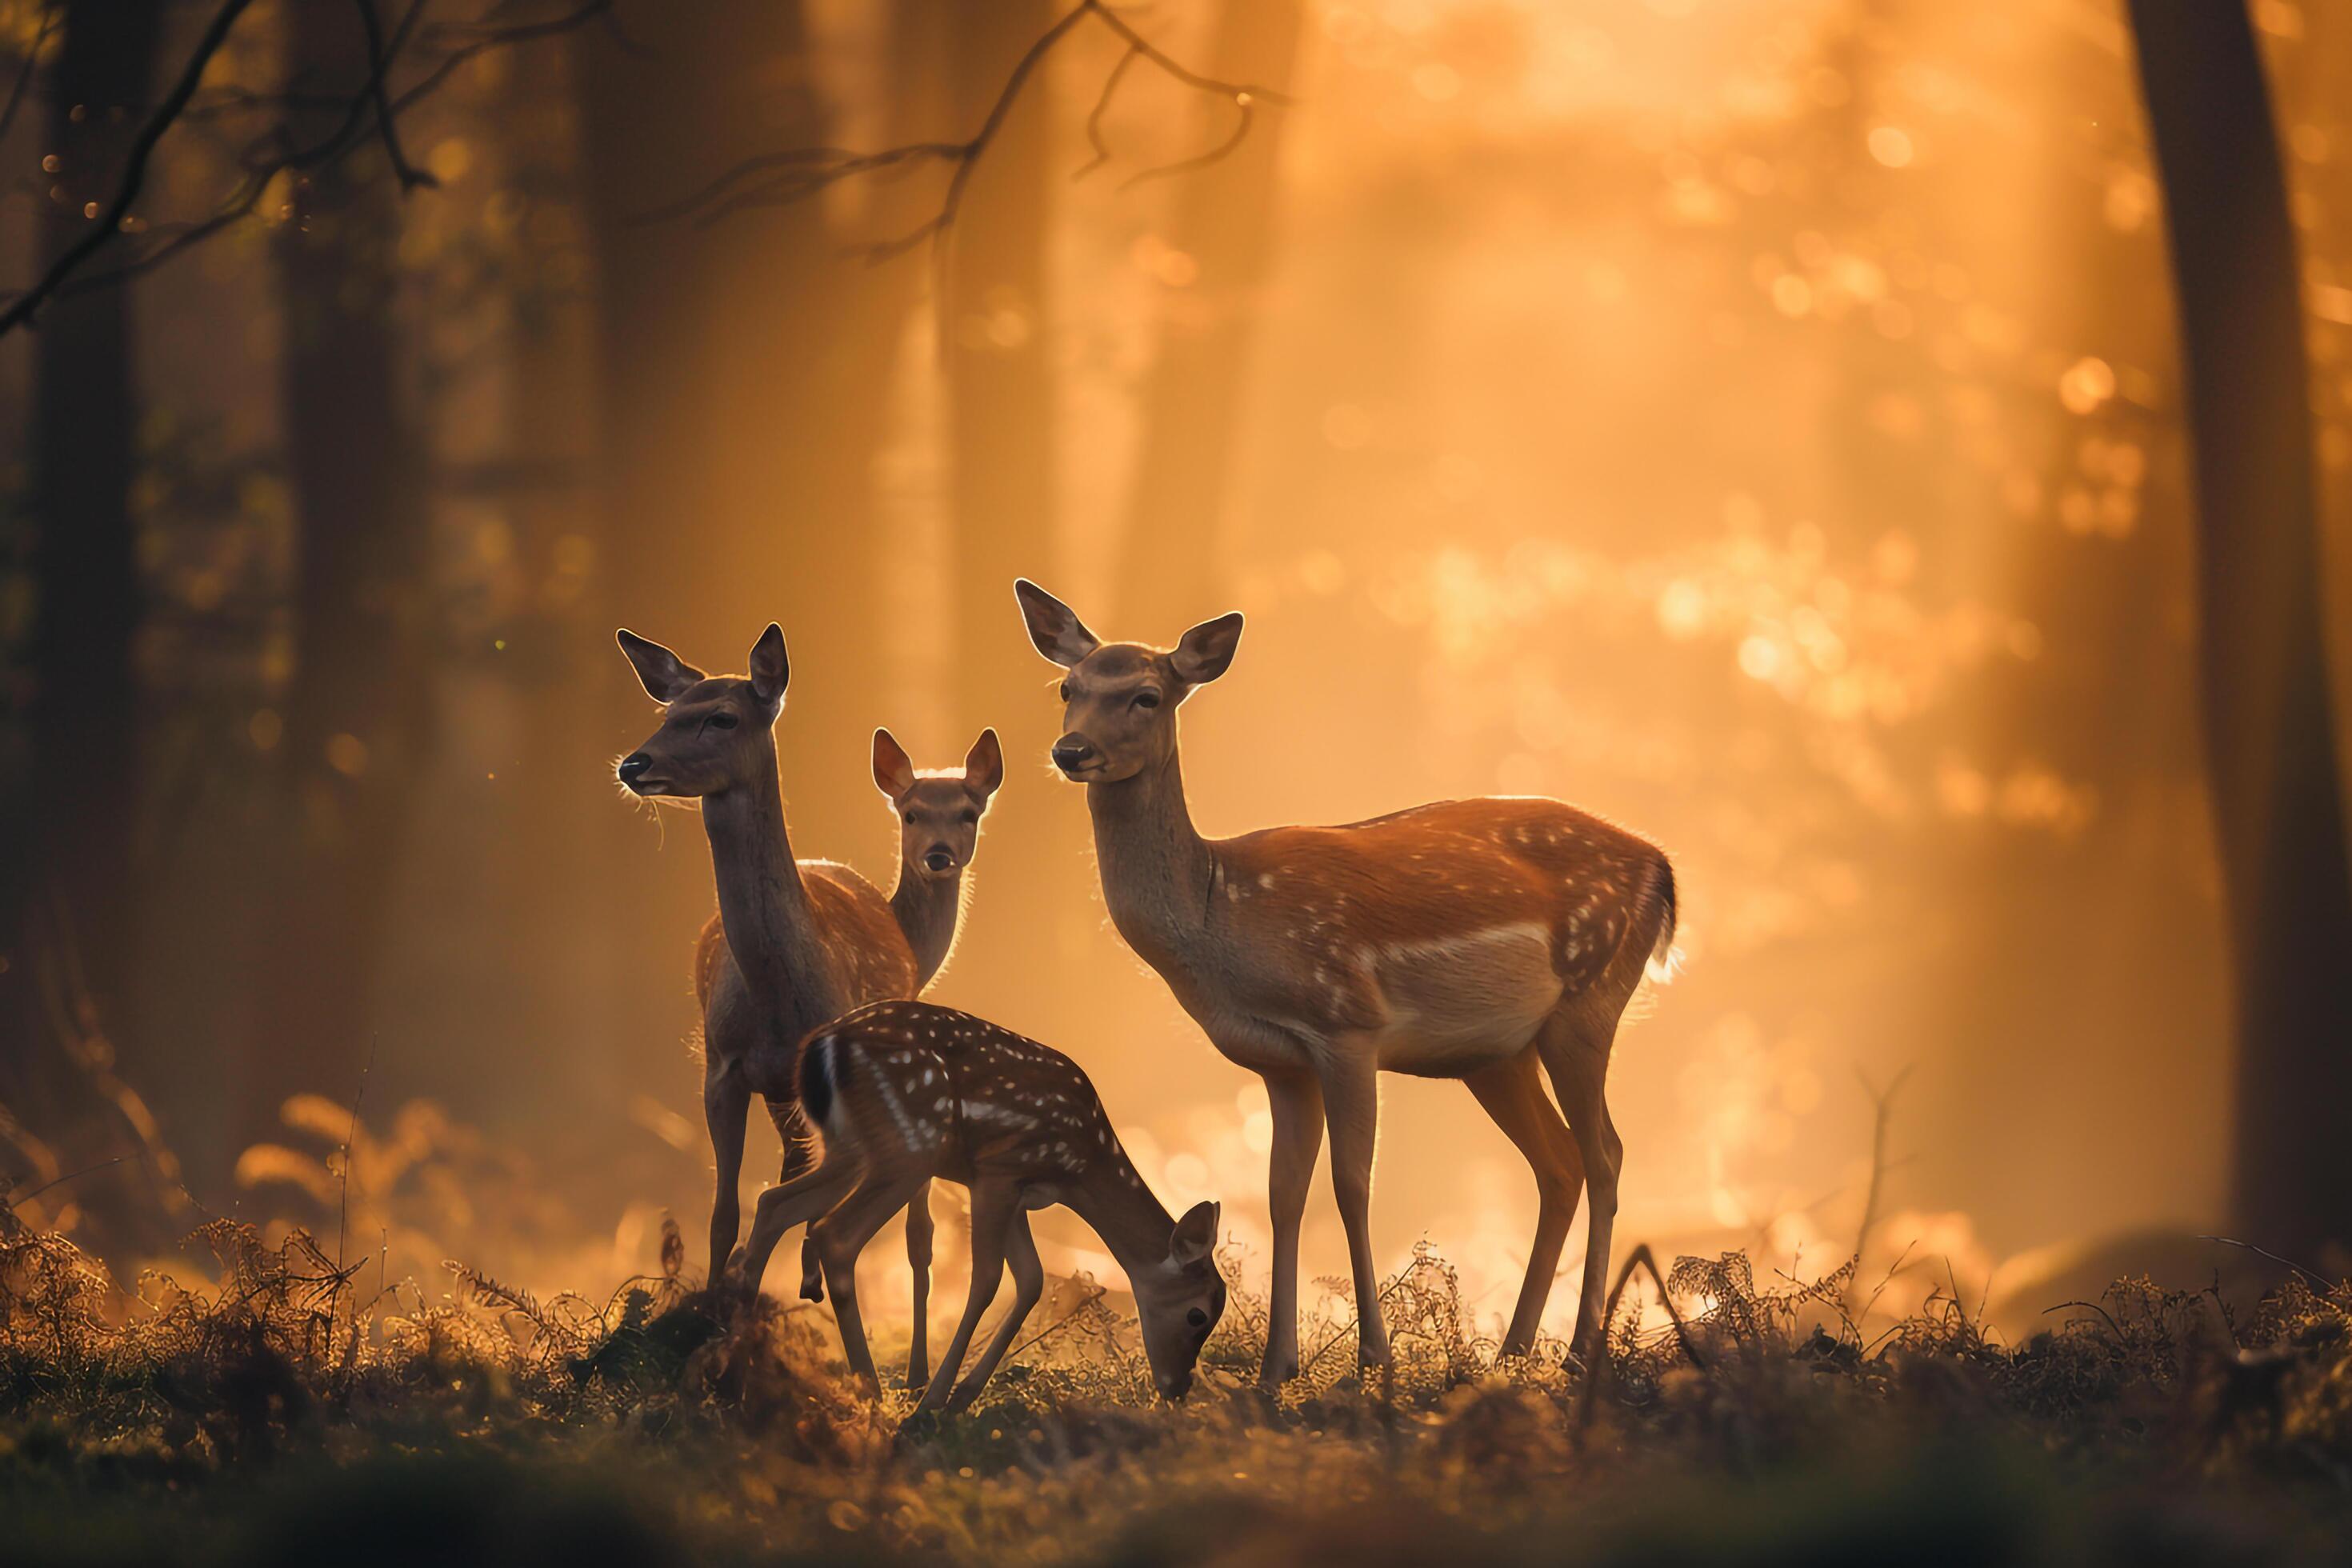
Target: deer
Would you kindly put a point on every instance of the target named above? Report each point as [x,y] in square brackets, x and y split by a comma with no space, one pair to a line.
[939,811]
[794,942]
[1475,939]
[904,1093]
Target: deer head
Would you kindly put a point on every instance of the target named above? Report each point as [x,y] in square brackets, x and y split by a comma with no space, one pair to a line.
[716,730]
[1180,1300]
[1119,699]
[939,811]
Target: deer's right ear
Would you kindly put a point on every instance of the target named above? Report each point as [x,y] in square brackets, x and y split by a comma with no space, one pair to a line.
[894,771]
[1195,1235]
[666,676]
[1053,626]
[771,670]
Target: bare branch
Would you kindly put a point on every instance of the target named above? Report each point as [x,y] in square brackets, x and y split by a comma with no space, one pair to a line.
[109,222]
[380,62]
[1102,107]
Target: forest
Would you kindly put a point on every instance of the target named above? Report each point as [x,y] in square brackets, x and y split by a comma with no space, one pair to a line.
[1886,466]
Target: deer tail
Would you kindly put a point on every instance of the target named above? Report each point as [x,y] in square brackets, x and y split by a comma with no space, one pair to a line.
[1665,960]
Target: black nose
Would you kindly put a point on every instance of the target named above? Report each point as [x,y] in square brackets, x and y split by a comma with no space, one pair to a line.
[1070,753]
[634,768]
[939,860]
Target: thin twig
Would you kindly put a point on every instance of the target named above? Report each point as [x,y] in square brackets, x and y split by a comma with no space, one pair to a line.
[109,222]
[1599,1367]
[1102,106]
[379,63]
[60,1181]
[344,1222]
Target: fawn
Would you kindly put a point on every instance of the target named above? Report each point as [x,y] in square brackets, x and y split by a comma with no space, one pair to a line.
[902,1093]
[794,943]
[1469,938]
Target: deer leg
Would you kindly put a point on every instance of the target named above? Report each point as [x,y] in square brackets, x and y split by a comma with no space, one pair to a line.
[802,1200]
[993,1206]
[918,1258]
[841,1236]
[1577,1057]
[726,1100]
[1352,1107]
[1028,1286]
[1512,1093]
[1298,1102]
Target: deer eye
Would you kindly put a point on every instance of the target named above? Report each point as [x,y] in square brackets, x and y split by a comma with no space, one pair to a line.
[1147,700]
[911,819]
[969,817]
[721,721]
[1065,691]
[1197,1318]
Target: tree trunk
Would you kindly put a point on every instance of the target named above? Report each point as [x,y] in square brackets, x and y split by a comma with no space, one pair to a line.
[72,770]
[358,713]
[1192,411]
[2269,727]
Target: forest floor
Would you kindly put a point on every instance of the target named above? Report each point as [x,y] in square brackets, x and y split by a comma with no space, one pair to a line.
[277,1412]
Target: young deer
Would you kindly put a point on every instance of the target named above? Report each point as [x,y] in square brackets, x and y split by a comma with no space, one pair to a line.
[938,815]
[903,1093]
[1467,939]
[794,943]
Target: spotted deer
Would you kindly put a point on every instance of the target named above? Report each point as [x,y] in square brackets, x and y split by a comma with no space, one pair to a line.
[794,942]
[903,1093]
[1467,939]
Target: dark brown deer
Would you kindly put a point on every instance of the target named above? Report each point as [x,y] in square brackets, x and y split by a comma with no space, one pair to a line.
[904,1093]
[1469,938]
[794,943]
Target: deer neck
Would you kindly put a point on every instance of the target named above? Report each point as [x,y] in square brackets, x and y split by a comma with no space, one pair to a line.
[1157,872]
[928,910]
[763,903]
[1118,1206]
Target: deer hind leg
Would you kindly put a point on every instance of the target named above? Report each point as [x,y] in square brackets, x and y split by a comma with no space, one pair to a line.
[1512,1093]
[1575,1042]
[1297,1100]
[919,1230]
[1028,1286]
[1351,1110]
[841,1236]
[995,1206]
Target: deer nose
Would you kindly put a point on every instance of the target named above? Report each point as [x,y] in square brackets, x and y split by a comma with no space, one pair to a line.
[940,857]
[633,768]
[1073,752]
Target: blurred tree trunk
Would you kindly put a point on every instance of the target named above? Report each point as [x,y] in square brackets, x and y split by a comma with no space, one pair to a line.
[2270,728]
[1001,467]
[1191,404]
[72,777]
[359,710]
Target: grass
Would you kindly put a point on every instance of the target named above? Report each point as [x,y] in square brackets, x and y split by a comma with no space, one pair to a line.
[281,1411]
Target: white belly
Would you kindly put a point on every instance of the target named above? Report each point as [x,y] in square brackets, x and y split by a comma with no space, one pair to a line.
[1456,1003]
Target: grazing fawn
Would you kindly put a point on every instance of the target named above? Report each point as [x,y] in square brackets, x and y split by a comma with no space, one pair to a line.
[1470,939]
[794,943]
[903,1093]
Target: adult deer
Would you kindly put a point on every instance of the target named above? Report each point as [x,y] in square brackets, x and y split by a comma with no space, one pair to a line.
[794,943]
[902,1093]
[1467,939]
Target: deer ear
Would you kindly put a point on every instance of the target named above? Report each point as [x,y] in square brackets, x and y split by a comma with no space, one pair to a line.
[1207,650]
[1195,1236]
[772,671]
[666,676]
[894,772]
[984,765]
[1053,626]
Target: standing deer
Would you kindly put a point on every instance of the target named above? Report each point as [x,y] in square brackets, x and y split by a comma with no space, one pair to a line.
[794,943]
[938,813]
[903,1093]
[1468,939]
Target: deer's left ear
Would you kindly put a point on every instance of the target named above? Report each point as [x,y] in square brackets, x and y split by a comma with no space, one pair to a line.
[1207,650]
[984,765]
[771,670]
[1195,1236]
[894,772]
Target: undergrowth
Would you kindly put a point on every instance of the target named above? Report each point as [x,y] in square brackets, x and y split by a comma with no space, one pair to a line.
[280,1407]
